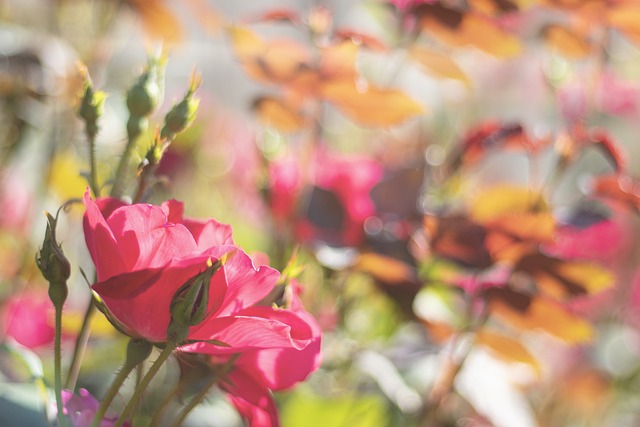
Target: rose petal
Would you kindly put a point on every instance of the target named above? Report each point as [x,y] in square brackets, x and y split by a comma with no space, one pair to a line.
[141,300]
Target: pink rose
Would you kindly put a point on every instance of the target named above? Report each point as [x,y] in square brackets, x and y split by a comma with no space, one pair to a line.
[28,318]
[143,254]
[259,372]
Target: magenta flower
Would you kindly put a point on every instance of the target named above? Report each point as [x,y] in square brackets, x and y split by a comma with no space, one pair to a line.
[81,409]
[256,373]
[331,202]
[143,254]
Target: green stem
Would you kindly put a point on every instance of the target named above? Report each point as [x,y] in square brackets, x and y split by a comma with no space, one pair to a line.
[95,187]
[111,393]
[197,399]
[57,369]
[80,346]
[133,402]
[118,182]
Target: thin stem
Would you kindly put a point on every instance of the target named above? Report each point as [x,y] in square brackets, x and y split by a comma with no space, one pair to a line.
[162,407]
[57,370]
[453,364]
[80,346]
[116,190]
[95,187]
[111,393]
[197,399]
[133,402]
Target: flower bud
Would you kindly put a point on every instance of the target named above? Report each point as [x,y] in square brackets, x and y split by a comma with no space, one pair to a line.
[53,264]
[144,96]
[189,304]
[182,114]
[92,104]
[137,352]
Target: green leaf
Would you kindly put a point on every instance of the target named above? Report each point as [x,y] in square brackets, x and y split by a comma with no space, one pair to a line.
[305,409]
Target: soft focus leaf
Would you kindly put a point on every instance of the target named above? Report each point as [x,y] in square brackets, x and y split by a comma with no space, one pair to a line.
[338,61]
[489,136]
[621,189]
[458,239]
[206,16]
[485,35]
[275,113]
[625,18]
[361,39]
[386,269]
[455,28]
[529,313]
[503,200]
[438,64]
[274,61]
[158,20]
[561,279]
[371,106]
[494,7]
[507,348]
[566,41]
[277,15]
[316,411]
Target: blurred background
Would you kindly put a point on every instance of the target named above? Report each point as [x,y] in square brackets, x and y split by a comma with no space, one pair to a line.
[456,180]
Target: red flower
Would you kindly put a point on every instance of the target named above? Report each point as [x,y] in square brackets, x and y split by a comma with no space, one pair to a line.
[334,197]
[143,254]
[258,372]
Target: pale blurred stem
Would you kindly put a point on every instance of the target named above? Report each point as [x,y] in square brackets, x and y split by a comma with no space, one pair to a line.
[111,393]
[93,177]
[57,367]
[443,386]
[162,407]
[146,380]
[80,346]
[121,172]
[197,399]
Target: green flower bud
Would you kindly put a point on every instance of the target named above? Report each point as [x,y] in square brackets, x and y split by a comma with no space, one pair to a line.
[92,104]
[137,352]
[189,304]
[53,264]
[144,96]
[182,114]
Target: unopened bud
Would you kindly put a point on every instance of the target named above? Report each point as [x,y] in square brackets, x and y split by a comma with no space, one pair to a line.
[137,351]
[144,96]
[92,104]
[183,113]
[53,264]
[189,304]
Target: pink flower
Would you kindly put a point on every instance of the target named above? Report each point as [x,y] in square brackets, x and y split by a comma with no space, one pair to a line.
[81,409]
[257,373]
[334,198]
[143,254]
[27,318]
